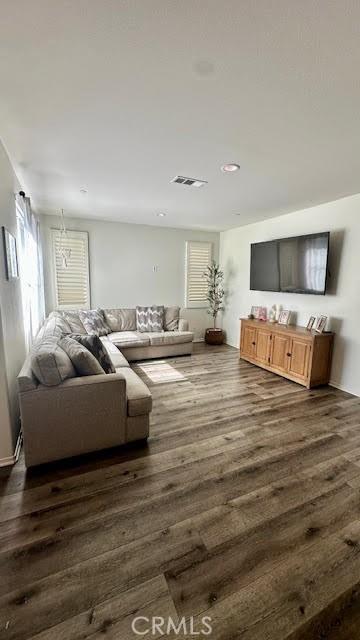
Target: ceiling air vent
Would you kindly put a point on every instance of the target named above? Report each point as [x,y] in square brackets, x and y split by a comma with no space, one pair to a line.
[189,182]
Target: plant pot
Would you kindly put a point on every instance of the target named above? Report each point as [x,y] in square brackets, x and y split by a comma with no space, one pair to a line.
[214,336]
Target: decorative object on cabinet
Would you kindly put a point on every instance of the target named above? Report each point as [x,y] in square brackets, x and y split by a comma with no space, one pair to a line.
[284,317]
[272,314]
[320,323]
[289,351]
[310,323]
[263,314]
[259,313]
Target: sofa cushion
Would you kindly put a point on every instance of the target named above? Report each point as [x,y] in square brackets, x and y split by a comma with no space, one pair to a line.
[83,360]
[120,319]
[139,400]
[94,322]
[74,322]
[49,362]
[114,354]
[96,347]
[149,319]
[171,318]
[170,337]
[129,339]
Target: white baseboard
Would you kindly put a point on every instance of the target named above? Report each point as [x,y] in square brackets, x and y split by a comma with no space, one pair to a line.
[10,460]
[335,384]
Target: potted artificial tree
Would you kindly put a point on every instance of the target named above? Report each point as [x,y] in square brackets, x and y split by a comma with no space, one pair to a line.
[215,297]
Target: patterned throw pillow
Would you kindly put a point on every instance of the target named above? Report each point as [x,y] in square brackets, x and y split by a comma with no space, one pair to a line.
[149,319]
[83,360]
[94,322]
[96,347]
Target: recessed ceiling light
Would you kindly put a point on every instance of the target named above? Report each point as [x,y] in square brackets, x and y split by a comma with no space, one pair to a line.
[230,167]
[83,191]
[161,215]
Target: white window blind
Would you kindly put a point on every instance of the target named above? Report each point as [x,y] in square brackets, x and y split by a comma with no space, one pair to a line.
[72,286]
[198,257]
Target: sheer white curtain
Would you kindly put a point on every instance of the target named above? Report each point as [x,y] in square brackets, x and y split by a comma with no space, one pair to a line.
[31,268]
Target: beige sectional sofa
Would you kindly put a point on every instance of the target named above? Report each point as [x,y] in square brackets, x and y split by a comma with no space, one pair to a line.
[89,413]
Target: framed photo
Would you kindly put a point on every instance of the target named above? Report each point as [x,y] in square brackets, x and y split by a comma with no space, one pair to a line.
[320,324]
[284,317]
[263,314]
[310,323]
[11,261]
[259,313]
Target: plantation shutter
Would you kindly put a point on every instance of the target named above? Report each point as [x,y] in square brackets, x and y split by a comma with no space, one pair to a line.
[198,257]
[72,288]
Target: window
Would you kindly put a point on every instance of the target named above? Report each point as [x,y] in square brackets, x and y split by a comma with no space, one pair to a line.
[31,268]
[72,288]
[198,257]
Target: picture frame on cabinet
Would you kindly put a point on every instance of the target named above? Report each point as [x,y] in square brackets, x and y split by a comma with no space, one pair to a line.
[320,324]
[310,323]
[262,314]
[259,313]
[284,317]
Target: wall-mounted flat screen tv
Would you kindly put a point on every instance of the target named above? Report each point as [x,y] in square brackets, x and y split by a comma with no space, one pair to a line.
[291,265]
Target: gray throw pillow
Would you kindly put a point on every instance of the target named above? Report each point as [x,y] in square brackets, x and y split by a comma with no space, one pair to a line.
[150,319]
[96,347]
[171,318]
[60,323]
[120,319]
[73,320]
[94,322]
[49,362]
[83,360]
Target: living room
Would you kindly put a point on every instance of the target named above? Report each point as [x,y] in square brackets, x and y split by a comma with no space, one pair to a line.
[179,352]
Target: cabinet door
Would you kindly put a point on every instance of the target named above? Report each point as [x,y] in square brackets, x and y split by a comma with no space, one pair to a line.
[262,346]
[279,358]
[299,359]
[248,341]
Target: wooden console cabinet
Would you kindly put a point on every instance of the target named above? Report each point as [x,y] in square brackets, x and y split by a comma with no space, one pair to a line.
[293,352]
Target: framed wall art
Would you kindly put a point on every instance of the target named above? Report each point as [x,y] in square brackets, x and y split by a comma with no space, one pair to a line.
[10,251]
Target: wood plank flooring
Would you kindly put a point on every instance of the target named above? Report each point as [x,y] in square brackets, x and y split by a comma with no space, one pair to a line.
[244,507]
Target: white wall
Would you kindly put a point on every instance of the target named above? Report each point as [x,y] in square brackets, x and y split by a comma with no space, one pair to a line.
[12,344]
[342,302]
[122,257]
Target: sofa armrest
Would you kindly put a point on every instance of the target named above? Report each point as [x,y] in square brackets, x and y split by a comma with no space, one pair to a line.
[82,414]
[183,324]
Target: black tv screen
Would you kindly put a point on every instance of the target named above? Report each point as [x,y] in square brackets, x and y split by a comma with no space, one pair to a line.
[291,265]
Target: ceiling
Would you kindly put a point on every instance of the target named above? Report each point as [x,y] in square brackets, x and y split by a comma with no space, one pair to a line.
[119,96]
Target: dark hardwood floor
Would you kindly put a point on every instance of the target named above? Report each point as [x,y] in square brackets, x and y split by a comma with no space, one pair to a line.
[244,507]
